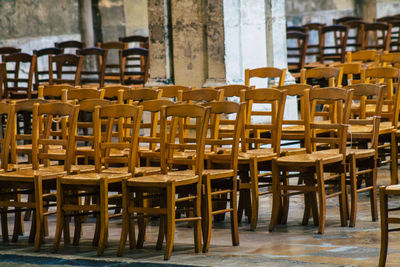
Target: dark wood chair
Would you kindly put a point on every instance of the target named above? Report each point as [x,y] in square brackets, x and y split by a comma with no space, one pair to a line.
[88,75]
[395,36]
[314,38]
[3,77]
[67,69]
[377,36]
[42,67]
[71,45]
[134,73]
[112,69]
[296,29]
[356,35]
[296,51]
[345,19]
[337,51]
[18,84]
[136,41]
[7,50]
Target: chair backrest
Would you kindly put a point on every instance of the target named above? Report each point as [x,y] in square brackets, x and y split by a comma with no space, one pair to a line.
[42,73]
[111,92]
[272,100]
[17,81]
[363,56]
[7,113]
[313,31]
[392,59]
[395,35]
[3,78]
[44,116]
[316,76]
[266,72]
[7,50]
[356,34]
[232,90]
[57,91]
[112,66]
[139,95]
[337,50]
[71,75]
[225,147]
[170,145]
[138,40]
[84,93]
[386,19]
[296,29]
[296,50]
[174,91]
[74,45]
[90,55]
[377,36]
[134,66]
[367,94]
[106,146]
[351,69]
[345,19]
[295,129]
[202,95]
[336,129]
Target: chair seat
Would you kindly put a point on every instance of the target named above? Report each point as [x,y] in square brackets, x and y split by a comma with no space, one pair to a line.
[161,180]
[139,171]
[212,173]
[360,153]
[93,178]
[260,154]
[392,189]
[308,159]
[50,172]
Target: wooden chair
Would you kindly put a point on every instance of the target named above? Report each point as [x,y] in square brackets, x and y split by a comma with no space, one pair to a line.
[97,184]
[136,41]
[343,20]
[313,31]
[296,50]
[88,75]
[377,36]
[111,92]
[390,59]
[39,181]
[323,77]
[42,65]
[112,66]
[266,72]
[174,92]
[337,51]
[352,72]
[388,216]
[18,84]
[296,29]
[395,36]
[8,50]
[135,74]
[71,45]
[386,76]
[253,161]
[362,155]
[312,164]
[3,78]
[72,75]
[139,95]
[84,93]
[233,90]
[55,92]
[166,187]
[369,58]
[356,35]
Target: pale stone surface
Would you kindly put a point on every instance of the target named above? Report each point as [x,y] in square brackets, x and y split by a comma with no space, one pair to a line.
[112,19]
[136,19]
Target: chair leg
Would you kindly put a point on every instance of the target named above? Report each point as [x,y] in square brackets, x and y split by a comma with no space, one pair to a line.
[321,197]
[384,226]
[17,225]
[170,220]
[234,220]
[39,211]
[60,216]
[393,163]
[141,223]
[254,194]
[207,214]
[353,190]
[276,196]
[103,216]
[161,231]
[4,224]
[372,194]
[285,201]
[197,223]
[125,220]
[32,232]
[343,205]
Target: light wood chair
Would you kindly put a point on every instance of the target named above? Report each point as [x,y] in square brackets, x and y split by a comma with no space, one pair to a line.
[171,189]
[362,155]
[39,181]
[173,92]
[353,73]
[250,160]
[265,72]
[98,184]
[322,76]
[312,164]
[390,59]
[369,58]
[139,95]
[111,92]
[81,94]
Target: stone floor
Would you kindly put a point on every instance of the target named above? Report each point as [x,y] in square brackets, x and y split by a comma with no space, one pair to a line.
[288,245]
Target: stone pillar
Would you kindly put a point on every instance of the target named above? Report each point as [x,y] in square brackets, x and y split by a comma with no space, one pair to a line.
[112,19]
[216,74]
[159,37]
[275,26]
[86,22]
[189,44]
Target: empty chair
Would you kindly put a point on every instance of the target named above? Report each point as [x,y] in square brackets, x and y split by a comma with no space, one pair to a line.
[345,19]
[356,35]
[296,50]
[7,50]
[112,66]
[42,66]
[67,69]
[136,41]
[266,72]
[137,73]
[377,36]
[90,56]
[19,82]
[337,50]
[395,36]
[314,39]
[174,92]
[326,76]
[296,29]
[369,58]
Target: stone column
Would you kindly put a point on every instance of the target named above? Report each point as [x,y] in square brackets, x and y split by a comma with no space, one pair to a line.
[160,50]
[189,44]
[112,19]
[216,74]
[275,25]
